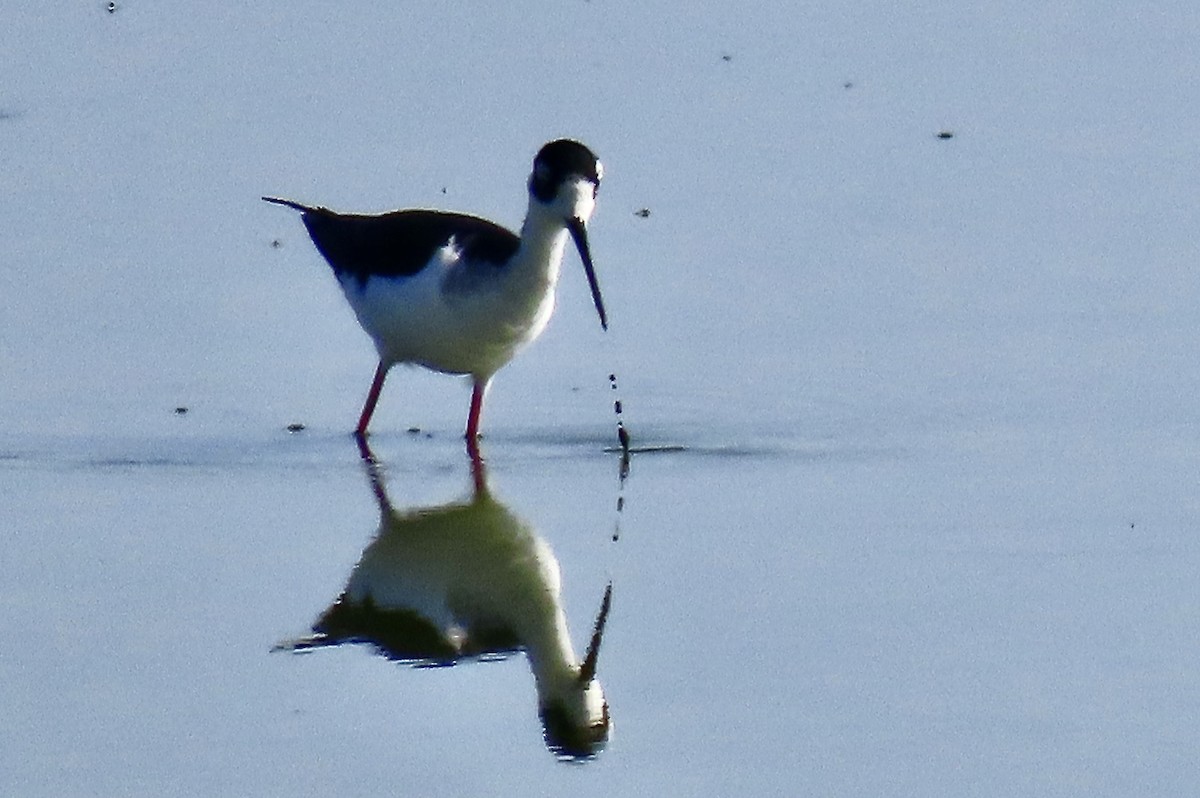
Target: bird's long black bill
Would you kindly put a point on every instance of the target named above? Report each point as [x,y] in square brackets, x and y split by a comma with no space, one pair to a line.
[579,233]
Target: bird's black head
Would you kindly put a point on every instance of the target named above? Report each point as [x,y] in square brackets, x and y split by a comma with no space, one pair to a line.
[561,161]
[565,178]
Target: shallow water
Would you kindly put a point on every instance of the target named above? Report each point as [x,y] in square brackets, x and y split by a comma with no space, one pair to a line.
[782,615]
[910,500]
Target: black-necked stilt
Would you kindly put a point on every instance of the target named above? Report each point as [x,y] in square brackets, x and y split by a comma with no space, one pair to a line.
[457,293]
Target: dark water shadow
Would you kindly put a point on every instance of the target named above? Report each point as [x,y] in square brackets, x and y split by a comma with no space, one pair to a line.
[217,451]
[320,449]
[470,581]
[730,444]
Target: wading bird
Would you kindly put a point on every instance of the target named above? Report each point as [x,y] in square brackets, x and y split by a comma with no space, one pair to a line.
[457,293]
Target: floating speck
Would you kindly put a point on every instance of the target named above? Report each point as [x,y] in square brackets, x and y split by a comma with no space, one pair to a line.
[181,411]
[414,430]
[727,58]
[945,134]
[644,213]
[295,426]
[848,84]
[276,243]
[112,8]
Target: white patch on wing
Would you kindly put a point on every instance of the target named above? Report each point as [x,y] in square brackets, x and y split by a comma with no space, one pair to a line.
[448,254]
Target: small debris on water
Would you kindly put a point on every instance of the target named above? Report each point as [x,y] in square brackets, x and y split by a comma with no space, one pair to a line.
[181,410]
[643,213]
[295,426]
[945,134]
[726,57]
[848,84]
[112,8]
[276,243]
[413,430]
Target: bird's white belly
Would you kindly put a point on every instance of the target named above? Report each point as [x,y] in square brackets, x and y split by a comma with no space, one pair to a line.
[414,320]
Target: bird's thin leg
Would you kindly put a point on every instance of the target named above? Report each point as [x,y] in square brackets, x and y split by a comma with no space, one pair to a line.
[477,392]
[372,398]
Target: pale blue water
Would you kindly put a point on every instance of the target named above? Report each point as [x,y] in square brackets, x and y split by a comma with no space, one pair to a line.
[918,515]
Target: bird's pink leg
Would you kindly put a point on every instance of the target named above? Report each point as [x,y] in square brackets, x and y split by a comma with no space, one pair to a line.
[372,398]
[477,392]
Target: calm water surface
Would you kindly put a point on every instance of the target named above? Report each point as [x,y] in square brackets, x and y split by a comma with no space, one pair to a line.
[784,612]
[916,508]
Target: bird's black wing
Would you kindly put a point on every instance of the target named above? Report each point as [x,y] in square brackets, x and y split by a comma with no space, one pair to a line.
[401,243]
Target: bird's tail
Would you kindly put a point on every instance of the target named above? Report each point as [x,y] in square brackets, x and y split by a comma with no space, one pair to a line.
[289,203]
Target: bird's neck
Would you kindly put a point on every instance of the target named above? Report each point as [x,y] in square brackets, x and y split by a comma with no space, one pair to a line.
[543,239]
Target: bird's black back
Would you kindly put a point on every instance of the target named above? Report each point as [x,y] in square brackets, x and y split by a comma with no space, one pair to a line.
[400,243]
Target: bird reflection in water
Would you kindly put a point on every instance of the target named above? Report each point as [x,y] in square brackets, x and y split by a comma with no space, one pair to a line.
[470,581]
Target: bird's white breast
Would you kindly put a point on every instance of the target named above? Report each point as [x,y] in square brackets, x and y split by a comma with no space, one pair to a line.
[454,316]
